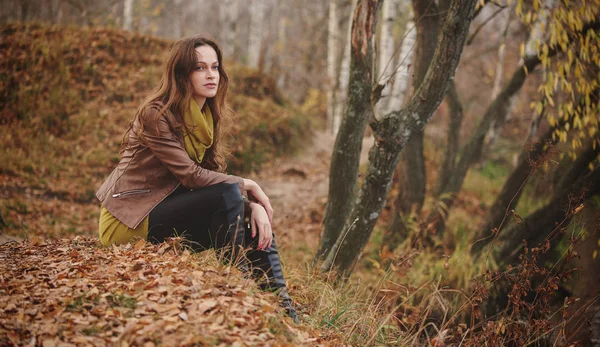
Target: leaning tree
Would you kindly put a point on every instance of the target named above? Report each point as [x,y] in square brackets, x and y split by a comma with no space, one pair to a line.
[350,219]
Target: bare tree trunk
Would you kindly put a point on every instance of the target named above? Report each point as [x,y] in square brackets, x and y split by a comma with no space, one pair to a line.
[55,8]
[177,19]
[536,36]
[257,13]
[281,45]
[128,15]
[25,6]
[501,54]
[579,167]
[412,165]
[401,74]
[386,46]
[229,17]
[410,200]
[392,132]
[345,157]
[511,192]
[331,52]
[456,117]
[494,127]
[342,91]
[264,50]
[385,66]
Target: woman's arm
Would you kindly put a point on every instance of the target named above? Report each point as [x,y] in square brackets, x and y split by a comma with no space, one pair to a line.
[256,192]
[165,145]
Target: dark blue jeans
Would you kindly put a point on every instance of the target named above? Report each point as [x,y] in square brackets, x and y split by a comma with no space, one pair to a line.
[213,217]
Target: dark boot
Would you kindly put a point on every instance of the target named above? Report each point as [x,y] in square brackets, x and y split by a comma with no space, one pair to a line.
[267,271]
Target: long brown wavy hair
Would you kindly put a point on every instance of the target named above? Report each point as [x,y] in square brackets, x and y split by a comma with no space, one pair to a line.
[174,94]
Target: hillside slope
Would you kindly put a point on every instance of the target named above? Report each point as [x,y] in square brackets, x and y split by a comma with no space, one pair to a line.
[73,291]
[68,95]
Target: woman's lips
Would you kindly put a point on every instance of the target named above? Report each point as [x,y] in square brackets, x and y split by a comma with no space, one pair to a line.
[211,85]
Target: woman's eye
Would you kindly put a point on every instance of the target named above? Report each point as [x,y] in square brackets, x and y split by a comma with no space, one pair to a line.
[216,68]
[199,67]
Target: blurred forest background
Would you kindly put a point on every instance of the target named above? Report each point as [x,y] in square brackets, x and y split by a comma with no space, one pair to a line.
[489,226]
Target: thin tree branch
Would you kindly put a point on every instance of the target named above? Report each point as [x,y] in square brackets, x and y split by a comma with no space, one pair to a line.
[470,40]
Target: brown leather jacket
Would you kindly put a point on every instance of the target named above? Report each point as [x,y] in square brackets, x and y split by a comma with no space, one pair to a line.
[147,173]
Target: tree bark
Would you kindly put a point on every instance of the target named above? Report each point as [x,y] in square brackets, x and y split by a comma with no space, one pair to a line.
[229,18]
[281,46]
[344,77]
[412,166]
[401,74]
[456,117]
[579,167]
[128,15]
[257,11]
[409,202]
[511,192]
[495,128]
[177,13]
[346,154]
[548,221]
[391,134]
[331,61]
[386,46]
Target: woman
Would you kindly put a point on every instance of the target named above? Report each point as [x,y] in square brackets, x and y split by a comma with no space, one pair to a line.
[169,180]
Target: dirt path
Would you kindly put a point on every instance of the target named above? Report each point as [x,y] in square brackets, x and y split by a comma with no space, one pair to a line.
[297,187]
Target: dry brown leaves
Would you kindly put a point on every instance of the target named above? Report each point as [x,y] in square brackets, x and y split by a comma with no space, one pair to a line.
[75,292]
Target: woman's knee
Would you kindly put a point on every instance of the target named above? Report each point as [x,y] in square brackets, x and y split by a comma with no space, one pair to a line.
[232,194]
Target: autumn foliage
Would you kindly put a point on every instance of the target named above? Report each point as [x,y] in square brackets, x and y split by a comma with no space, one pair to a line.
[77,292]
[67,96]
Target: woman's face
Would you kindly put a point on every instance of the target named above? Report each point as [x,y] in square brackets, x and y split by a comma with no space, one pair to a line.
[205,77]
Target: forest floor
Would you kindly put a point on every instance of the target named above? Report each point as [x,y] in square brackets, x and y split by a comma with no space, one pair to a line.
[73,290]
[59,286]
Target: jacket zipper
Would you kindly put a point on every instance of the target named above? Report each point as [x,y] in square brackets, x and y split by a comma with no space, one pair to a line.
[131,192]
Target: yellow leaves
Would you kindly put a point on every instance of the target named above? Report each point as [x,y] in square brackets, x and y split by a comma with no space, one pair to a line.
[522,49]
[548,95]
[538,107]
[578,72]
[527,19]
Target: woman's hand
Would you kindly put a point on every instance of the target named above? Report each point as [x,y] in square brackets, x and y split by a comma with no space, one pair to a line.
[255,191]
[259,221]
